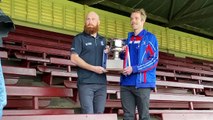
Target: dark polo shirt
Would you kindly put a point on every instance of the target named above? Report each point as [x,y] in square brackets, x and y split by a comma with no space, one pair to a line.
[90,49]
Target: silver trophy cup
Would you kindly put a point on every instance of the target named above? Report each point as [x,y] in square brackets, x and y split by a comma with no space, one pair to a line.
[114,62]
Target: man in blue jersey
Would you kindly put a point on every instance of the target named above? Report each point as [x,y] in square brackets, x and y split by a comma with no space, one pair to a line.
[139,73]
[87,52]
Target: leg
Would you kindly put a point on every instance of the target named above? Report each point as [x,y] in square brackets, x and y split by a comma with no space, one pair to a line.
[86,95]
[142,101]
[128,103]
[99,98]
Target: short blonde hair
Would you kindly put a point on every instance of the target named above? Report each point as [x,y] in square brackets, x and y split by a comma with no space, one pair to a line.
[142,12]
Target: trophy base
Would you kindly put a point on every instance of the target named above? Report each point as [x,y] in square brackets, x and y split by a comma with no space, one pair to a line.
[114,65]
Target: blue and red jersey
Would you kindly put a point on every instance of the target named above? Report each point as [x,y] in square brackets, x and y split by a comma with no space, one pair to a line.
[142,55]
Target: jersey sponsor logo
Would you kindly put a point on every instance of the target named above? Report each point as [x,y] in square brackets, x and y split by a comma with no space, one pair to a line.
[135,39]
[134,42]
[89,43]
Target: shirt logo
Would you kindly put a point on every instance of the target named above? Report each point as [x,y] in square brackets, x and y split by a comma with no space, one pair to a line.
[144,42]
[102,43]
[89,43]
[72,48]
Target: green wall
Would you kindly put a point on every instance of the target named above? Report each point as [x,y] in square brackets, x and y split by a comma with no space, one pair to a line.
[67,17]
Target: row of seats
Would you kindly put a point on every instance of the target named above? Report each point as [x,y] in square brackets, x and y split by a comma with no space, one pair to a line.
[182,83]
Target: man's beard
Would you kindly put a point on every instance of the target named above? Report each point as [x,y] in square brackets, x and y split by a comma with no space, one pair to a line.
[91,30]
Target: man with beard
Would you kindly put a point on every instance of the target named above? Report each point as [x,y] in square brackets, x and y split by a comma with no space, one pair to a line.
[139,74]
[87,51]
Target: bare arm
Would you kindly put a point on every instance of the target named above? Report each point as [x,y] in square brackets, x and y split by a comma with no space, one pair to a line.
[81,63]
